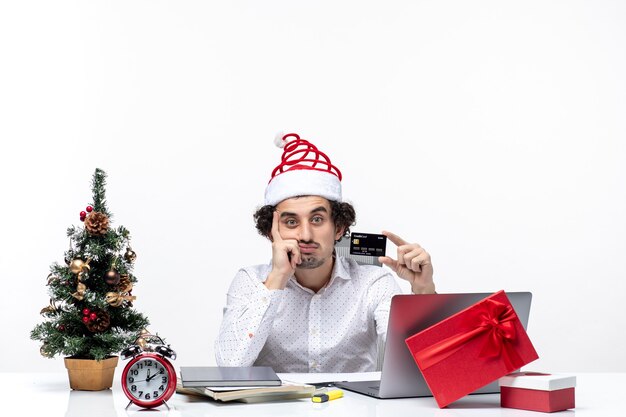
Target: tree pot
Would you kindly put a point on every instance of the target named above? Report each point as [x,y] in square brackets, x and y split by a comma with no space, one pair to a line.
[90,374]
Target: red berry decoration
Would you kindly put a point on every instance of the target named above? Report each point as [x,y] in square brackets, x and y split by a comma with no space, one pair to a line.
[61,327]
[83,214]
[86,311]
[85,319]
[93,316]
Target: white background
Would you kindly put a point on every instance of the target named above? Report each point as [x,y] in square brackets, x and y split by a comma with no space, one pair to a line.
[490,132]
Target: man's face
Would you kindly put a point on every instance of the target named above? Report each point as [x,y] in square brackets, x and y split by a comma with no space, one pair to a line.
[308,220]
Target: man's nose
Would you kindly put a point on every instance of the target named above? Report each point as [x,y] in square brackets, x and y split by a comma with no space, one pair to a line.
[304,234]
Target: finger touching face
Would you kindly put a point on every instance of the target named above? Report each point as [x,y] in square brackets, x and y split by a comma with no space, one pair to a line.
[274,232]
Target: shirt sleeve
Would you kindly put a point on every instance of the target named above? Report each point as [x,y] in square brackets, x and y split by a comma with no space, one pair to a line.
[248,316]
[379,298]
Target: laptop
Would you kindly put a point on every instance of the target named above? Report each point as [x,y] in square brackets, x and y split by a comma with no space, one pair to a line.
[410,313]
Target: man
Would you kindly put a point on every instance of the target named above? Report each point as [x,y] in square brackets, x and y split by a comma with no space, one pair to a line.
[310,310]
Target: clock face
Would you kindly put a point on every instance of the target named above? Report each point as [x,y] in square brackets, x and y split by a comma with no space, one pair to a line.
[148,380]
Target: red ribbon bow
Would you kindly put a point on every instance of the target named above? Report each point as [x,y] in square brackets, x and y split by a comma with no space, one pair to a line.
[493,322]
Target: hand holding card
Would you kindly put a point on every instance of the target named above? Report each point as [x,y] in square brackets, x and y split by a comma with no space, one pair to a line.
[413,264]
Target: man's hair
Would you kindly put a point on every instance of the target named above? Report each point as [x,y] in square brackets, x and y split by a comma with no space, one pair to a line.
[342,214]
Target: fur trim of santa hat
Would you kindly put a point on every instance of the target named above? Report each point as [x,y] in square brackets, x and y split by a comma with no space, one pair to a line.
[303,170]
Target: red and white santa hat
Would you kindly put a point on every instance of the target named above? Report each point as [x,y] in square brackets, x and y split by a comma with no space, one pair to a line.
[303,170]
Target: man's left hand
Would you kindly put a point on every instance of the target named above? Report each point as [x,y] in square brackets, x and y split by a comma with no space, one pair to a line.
[413,264]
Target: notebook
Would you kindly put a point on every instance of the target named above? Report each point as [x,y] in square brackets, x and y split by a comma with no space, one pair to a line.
[286,391]
[228,376]
[409,314]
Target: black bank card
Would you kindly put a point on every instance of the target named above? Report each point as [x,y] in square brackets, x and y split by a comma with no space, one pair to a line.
[368,244]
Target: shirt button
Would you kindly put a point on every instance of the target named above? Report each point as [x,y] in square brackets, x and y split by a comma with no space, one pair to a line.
[314,332]
[264,299]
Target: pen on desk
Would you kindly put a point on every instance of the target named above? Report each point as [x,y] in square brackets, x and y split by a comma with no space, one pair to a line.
[330,395]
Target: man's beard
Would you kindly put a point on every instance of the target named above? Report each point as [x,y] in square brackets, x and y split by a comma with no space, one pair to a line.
[310,262]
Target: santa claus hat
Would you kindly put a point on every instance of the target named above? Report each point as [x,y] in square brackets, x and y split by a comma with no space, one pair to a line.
[303,170]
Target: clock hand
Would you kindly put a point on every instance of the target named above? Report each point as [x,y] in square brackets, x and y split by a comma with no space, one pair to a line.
[150,378]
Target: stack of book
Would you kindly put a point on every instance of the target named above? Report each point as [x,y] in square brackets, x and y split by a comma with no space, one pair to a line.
[244,384]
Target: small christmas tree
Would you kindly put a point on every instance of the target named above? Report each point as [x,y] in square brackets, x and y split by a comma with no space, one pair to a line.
[91,315]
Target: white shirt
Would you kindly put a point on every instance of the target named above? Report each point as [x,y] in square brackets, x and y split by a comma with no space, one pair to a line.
[298,330]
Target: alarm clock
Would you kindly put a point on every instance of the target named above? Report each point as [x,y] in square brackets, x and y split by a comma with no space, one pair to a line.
[149,379]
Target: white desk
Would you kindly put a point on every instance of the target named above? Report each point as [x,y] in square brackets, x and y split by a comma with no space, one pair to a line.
[49,395]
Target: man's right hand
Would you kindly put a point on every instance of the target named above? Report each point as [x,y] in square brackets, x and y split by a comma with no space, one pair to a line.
[285,258]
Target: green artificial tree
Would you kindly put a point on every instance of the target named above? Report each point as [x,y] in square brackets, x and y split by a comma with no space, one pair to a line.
[91,314]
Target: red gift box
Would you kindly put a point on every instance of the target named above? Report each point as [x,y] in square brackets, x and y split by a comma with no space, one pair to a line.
[537,392]
[471,348]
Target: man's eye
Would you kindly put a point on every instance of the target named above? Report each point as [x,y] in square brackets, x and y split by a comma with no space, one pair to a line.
[317,219]
[290,222]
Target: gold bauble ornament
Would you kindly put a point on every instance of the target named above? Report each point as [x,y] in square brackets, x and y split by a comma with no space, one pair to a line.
[141,339]
[43,350]
[78,265]
[142,343]
[130,255]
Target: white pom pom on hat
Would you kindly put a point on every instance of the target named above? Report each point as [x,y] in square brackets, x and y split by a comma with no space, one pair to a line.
[278,140]
[281,139]
[303,170]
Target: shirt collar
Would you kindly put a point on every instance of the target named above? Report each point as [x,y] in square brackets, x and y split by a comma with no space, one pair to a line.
[340,269]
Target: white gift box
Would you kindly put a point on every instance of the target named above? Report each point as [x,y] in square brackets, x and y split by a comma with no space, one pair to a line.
[537,391]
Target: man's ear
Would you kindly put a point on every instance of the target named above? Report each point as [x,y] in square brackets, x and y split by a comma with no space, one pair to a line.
[339,232]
